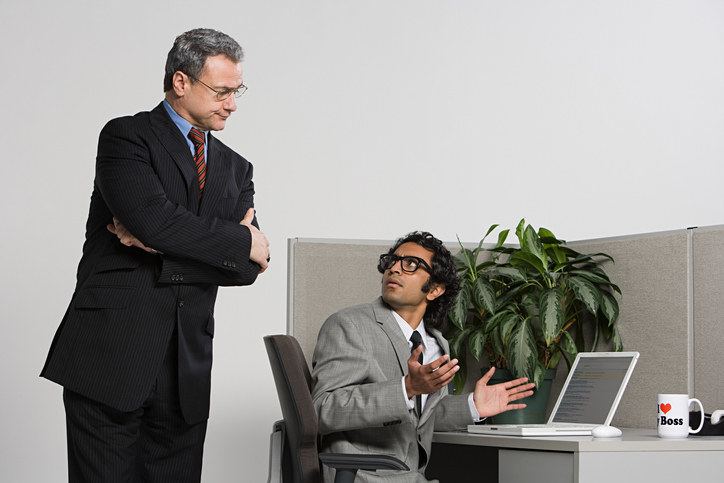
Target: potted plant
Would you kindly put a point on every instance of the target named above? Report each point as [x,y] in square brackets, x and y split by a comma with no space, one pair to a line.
[525,307]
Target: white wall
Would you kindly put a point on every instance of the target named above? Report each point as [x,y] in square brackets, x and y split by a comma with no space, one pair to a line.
[364,120]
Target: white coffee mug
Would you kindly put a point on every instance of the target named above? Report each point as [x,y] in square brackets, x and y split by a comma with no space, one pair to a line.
[673,416]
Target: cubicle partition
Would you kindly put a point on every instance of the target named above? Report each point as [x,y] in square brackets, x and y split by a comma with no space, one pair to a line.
[671,307]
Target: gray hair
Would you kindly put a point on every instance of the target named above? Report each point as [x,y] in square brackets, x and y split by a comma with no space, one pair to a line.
[191,49]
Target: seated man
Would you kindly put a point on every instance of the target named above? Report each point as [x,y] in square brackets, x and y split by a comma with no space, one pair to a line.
[380,370]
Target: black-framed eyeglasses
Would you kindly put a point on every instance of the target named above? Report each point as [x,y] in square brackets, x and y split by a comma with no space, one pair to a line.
[225,93]
[408,263]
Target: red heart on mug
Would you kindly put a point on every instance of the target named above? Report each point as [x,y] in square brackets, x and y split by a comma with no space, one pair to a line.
[665,408]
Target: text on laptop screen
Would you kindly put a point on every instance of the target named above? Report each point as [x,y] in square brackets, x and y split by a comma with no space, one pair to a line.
[592,390]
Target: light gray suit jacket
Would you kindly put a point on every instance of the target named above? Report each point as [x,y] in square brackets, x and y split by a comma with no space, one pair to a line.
[357,367]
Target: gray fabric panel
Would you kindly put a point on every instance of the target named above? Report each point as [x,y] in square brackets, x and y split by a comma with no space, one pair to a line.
[709,317]
[652,272]
[329,277]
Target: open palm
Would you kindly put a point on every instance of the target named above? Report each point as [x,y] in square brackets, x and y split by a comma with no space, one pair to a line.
[495,399]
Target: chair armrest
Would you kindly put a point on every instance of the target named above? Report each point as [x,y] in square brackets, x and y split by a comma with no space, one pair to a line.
[372,462]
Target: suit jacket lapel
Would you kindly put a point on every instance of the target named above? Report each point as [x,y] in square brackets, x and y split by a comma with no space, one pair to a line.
[175,144]
[384,317]
[434,398]
[218,169]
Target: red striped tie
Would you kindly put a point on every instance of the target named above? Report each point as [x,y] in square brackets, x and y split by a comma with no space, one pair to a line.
[197,137]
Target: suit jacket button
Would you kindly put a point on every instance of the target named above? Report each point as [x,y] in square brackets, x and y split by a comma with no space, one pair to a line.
[180,303]
[180,278]
[233,264]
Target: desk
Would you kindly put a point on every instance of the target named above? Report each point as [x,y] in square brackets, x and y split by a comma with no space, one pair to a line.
[639,455]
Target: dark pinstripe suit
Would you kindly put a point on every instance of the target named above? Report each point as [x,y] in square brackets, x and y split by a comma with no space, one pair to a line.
[112,340]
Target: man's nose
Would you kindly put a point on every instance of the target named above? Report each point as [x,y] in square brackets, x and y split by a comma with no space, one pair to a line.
[230,103]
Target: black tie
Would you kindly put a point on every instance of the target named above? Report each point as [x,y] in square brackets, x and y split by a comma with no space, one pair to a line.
[416,340]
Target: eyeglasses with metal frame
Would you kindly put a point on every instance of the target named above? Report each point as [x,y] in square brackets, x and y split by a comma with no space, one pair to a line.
[408,263]
[223,94]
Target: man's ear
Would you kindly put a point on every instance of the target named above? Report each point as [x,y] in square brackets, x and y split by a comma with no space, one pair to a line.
[179,83]
[435,291]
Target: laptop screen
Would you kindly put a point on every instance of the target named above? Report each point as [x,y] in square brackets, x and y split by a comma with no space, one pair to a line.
[593,389]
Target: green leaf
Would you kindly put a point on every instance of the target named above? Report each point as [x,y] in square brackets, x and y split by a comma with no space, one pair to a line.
[482,240]
[569,345]
[490,230]
[601,273]
[522,352]
[482,266]
[519,230]
[502,236]
[539,374]
[598,271]
[459,379]
[529,260]
[477,343]
[469,257]
[609,307]
[507,298]
[492,322]
[556,254]
[531,244]
[530,304]
[456,338]
[617,343]
[585,292]
[580,259]
[590,276]
[548,237]
[458,314]
[511,273]
[496,342]
[597,276]
[555,357]
[508,323]
[484,295]
[551,313]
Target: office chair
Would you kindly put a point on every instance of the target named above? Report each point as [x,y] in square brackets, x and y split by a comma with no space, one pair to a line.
[300,456]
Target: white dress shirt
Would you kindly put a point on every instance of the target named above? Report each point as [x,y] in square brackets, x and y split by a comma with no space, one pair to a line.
[431,350]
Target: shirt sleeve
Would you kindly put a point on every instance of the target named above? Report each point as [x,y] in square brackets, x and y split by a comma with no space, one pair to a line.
[410,402]
[473,410]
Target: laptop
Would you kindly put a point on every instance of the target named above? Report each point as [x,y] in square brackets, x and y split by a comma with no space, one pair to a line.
[589,398]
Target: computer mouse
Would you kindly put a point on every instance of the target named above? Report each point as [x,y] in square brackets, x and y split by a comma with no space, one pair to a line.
[717,416]
[606,432]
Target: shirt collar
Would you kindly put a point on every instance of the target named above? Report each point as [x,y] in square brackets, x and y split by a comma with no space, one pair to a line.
[183,125]
[407,330]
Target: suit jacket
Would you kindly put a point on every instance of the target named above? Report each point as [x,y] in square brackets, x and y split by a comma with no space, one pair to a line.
[358,363]
[112,340]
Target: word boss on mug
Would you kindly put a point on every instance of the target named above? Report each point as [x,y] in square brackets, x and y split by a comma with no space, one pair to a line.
[672,418]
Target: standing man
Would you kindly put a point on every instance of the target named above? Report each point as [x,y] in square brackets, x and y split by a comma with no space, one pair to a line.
[380,370]
[171,218]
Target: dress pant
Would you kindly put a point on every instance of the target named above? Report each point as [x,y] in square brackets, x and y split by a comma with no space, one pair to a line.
[150,444]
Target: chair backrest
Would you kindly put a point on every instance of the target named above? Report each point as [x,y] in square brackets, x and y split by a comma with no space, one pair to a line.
[293,382]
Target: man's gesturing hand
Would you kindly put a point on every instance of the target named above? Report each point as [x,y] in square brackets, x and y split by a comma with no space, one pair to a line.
[259,244]
[428,378]
[492,400]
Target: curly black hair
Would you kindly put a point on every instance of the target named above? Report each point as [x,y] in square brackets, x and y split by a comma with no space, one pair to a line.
[443,273]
